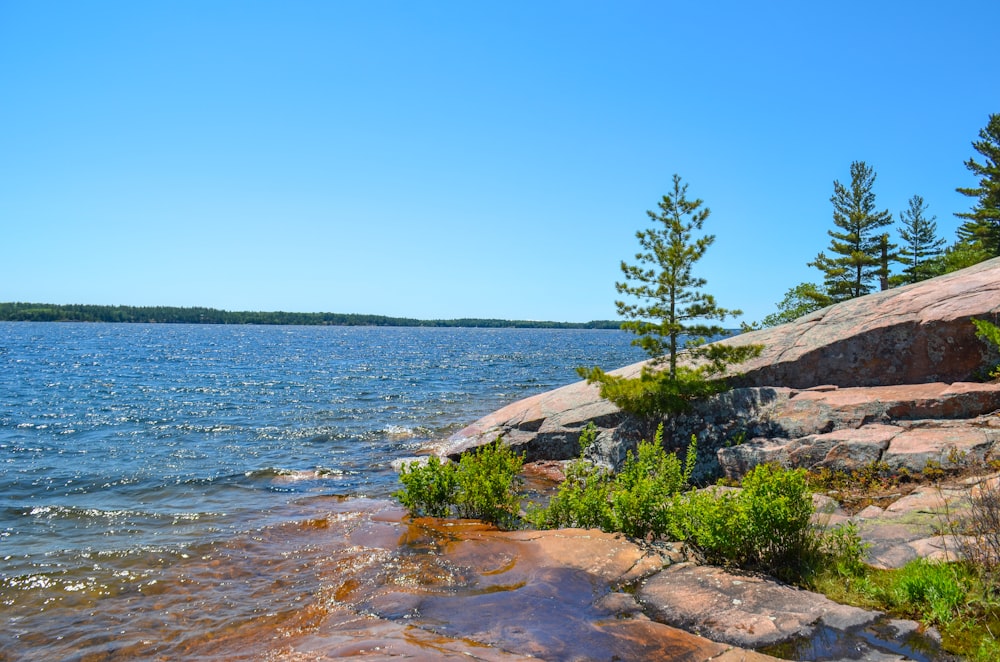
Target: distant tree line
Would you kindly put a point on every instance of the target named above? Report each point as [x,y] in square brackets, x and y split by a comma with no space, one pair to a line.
[45,312]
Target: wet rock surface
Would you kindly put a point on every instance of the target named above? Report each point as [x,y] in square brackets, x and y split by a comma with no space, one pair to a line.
[390,588]
[882,380]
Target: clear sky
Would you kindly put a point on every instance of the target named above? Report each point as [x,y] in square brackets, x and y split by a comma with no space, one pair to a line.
[461,159]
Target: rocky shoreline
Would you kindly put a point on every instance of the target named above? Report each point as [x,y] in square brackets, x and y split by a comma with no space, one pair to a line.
[884,380]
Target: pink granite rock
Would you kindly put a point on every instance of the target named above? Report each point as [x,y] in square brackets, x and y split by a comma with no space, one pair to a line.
[846,429]
[917,338]
[908,335]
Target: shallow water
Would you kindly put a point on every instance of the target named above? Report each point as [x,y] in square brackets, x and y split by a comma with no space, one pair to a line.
[166,486]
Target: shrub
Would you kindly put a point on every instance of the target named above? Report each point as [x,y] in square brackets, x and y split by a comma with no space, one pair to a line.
[582,500]
[640,496]
[842,550]
[428,489]
[634,502]
[483,485]
[991,334]
[488,479]
[776,511]
[765,526]
[654,393]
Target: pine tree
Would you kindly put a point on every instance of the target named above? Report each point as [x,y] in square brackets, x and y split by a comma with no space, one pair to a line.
[920,242]
[982,226]
[662,281]
[671,313]
[858,243]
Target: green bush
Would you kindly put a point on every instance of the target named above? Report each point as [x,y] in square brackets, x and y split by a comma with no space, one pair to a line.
[764,526]
[582,500]
[641,492]
[708,521]
[654,393]
[776,511]
[483,485]
[842,550]
[428,489]
[488,481]
[991,334]
[634,502]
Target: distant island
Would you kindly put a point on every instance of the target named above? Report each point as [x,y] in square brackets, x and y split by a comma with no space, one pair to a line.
[46,312]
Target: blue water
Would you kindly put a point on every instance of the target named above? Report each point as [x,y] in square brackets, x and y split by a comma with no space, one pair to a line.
[124,447]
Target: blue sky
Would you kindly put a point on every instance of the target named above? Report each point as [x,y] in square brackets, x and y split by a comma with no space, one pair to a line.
[461,159]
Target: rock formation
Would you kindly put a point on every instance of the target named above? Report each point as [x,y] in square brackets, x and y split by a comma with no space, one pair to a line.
[886,368]
[887,378]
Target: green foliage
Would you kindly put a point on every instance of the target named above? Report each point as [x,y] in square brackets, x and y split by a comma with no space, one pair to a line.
[588,435]
[843,551]
[800,300]
[981,228]
[668,306]
[488,479]
[44,312]
[765,526]
[936,591]
[920,242]
[428,489]
[959,256]
[654,392]
[777,505]
[483,485]
[990,333]
[641,492]
[581,502]
[859,249]
[634,502]
[669,296]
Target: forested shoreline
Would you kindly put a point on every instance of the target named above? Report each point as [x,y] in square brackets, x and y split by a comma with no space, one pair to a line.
[45,312]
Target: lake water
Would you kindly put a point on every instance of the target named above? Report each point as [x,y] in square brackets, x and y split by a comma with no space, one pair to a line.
[148,473]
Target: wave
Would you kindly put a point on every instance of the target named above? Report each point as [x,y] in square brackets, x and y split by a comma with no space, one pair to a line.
[82,514]
[291,475]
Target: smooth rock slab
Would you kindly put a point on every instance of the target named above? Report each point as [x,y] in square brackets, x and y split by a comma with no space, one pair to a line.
[744,611]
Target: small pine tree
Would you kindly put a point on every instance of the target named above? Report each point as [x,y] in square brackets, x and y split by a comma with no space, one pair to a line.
[858,243]
[982,225]
[921,244]
[668,305]
[669,295]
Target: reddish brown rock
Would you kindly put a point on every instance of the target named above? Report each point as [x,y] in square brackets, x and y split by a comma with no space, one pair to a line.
[946,446]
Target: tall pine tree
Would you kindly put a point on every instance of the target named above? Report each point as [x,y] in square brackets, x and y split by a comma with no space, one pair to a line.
[981,229]
[920,242]
[856,244]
